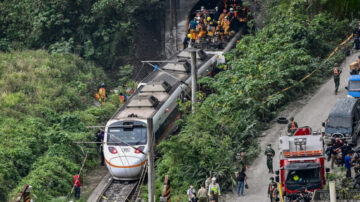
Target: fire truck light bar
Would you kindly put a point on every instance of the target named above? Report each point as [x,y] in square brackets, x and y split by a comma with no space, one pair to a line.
[303,153]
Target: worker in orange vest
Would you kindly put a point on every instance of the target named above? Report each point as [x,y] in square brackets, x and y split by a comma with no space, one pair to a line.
[337,73]
[122,98]
[102,93]
[292,127]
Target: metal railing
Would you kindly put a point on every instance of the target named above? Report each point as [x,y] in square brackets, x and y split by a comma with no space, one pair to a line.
[341,195]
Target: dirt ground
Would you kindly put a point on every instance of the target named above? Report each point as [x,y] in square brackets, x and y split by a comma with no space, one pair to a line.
[310,111]
[91,180]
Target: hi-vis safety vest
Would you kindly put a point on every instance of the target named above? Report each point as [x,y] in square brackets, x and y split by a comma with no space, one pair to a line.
[293,126]
[336,71]
[214,187]
[102,93]
[122,98]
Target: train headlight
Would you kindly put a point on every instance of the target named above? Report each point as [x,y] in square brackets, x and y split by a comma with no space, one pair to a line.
[113,150]
[139,150]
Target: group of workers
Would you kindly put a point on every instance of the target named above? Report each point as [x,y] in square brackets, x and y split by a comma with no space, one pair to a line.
[342,154]
[213,26]
[102,95]
[208,193]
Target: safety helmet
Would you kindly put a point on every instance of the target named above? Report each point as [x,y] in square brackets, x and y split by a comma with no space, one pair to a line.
[211,23]
[226,17]
[231,9]
[202,8]
[189,35]
[102,85]
[296,178]
[213,179]
[216,8]
[208,18]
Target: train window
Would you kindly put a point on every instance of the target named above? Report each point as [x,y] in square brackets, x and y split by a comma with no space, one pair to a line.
[127,136]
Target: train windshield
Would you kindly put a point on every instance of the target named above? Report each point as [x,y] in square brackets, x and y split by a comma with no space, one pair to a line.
[127,136]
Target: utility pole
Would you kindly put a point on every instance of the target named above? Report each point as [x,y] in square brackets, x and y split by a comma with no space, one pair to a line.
[193,77]
[151,170]
[332,189]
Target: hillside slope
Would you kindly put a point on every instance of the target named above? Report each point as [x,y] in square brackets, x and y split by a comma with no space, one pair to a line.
[45,102]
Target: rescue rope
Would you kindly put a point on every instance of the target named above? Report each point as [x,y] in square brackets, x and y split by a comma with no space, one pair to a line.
[315,70]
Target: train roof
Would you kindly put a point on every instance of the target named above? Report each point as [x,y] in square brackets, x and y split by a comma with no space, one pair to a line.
[159,85]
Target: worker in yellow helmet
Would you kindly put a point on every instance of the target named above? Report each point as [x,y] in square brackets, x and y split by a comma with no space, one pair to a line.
[102,93]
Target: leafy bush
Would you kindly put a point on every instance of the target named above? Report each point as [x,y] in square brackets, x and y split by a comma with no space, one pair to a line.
[46,102]
[290,46]
[102,30]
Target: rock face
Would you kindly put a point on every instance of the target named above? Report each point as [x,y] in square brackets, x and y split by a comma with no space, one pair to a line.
[176,15]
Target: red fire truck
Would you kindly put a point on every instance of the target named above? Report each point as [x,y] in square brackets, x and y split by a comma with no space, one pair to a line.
[301,161]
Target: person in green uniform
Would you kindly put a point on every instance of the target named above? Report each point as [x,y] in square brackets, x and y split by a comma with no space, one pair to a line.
[271,187]
[270,153]
[337,73]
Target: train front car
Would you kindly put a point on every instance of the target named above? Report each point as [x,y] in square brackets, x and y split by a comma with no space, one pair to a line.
[125,148]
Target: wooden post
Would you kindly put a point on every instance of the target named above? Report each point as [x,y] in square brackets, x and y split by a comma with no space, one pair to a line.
[151,170]
[332,189]
[24,194]
[166,193]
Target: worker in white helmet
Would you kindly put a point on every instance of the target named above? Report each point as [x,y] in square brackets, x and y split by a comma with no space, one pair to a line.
[215,188]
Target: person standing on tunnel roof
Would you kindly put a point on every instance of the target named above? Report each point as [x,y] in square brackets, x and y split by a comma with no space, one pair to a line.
[292,126]
[337,73]
[192,27]
[270,153]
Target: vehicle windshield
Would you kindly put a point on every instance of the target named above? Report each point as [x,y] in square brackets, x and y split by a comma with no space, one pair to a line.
[340,122]
[354,86]
[303,177]
[127,136]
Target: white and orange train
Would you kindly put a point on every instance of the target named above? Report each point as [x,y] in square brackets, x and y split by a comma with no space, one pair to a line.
[125,141]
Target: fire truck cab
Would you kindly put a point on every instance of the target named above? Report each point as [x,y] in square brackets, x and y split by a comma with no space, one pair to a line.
[301,161]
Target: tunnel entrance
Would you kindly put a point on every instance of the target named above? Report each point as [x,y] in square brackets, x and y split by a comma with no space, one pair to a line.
[176,21]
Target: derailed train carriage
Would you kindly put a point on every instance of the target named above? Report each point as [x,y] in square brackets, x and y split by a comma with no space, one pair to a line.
[125,141]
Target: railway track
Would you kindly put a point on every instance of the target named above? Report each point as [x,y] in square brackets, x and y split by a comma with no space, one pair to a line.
[119,191]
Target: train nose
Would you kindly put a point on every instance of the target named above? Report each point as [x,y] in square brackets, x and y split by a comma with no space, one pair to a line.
[125,167]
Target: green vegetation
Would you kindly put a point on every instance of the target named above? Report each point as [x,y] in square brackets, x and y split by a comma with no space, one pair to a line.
[291,45]
[102,30]
[45,105]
